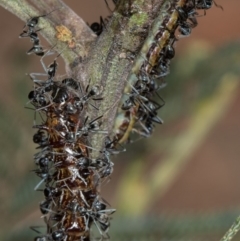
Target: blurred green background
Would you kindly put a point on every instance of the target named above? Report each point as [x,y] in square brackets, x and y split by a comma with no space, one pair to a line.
[183,182]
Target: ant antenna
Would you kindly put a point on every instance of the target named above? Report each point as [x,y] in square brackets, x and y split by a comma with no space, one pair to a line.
[109,9]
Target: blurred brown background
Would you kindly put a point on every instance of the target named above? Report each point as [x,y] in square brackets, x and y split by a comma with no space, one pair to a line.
[182,183]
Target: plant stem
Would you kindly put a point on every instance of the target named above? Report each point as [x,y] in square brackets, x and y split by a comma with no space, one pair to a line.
[230,234]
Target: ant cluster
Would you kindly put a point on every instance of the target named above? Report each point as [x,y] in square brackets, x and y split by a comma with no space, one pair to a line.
[138,110]
[71,178]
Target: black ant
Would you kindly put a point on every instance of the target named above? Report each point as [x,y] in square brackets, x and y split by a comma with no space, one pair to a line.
[32,33]
[44,206]
[97,213]
[51,192]
[50,71]
[134,98]
[147,128]
[187,18]
[57,235]
[162,67]
[185,29]
[188,13]
[44,175]
[104,167]
[40,138]
[97,28]
[79,102]
[37,99]
[150,112]
[33,22]
[70,82]
[206,4]
[109,149]
[92,126]
[60,94]
[36,49]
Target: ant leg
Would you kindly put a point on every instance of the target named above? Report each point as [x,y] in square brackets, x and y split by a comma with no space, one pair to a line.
[48,53]
[108,6]
[33,77]
[217,5]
